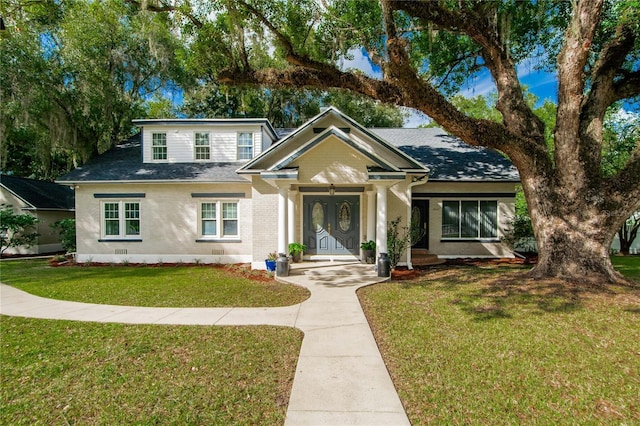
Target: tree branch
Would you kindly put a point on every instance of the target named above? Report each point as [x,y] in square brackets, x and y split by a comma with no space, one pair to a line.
[480,25]
[624,185]
[239,34]
[628,86]
[398,65]
[612,56]
[166,8]
[293,57]
[576,167]
[418,95]
[402,86]
[601,95]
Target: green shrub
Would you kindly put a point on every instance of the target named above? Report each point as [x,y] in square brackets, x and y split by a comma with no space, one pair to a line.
[67,231]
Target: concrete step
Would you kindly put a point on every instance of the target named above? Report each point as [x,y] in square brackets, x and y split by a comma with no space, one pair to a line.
[422,257]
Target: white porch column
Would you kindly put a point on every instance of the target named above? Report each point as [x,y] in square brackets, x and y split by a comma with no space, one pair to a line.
[291,206]
[282,220]
[381,222]
[371,215]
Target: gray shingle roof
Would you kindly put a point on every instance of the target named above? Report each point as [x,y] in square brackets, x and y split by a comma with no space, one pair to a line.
[447,157]
[40,194]
[124,163]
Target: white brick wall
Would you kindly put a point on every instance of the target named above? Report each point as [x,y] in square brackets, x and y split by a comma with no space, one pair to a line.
[169,225]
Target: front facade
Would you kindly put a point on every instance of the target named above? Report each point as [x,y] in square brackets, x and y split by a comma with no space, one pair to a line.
[233,191]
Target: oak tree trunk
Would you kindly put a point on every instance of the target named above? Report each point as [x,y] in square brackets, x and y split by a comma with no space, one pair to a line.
[574,230]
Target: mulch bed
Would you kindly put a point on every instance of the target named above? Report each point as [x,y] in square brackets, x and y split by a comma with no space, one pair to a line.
[402,273]
[468,261]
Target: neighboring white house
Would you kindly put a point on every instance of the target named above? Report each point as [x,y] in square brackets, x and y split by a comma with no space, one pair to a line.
[235,190]
[47,201]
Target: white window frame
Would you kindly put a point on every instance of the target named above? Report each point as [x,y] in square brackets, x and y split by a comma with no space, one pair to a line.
[160,149]
[122,220]
[219,220]
[201,148]
[239,148]
[478,236]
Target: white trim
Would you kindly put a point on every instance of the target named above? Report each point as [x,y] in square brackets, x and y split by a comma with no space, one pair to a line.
[122,227]
[282,219]
[381,219]
[219,236]
[195,146]
[19,198]
[166,148]
[238,146]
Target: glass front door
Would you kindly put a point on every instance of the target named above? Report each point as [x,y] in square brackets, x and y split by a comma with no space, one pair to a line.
[332,224]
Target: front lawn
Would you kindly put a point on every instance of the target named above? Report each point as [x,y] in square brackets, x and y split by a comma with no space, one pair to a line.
[469,345]
[629,266]
[63,372]
[162,286]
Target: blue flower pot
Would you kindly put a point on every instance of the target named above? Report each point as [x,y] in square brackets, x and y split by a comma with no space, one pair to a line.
[271,265]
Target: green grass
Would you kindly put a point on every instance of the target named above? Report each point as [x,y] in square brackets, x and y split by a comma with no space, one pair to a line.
[63,372]
[486,346]
[166,286]
[629,266]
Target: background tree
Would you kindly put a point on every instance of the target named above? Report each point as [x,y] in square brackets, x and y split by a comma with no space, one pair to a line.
[285,108]
[628,232]
[425,50]
[16,230]
[74,74]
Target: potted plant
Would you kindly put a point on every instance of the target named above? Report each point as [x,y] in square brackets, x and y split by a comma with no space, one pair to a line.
[368,251]
[295,250]
[270,261]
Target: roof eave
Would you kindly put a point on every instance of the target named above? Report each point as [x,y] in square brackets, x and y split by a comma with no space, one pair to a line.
[186,181]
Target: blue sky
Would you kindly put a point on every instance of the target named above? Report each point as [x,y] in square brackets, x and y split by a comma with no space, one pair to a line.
[542,84]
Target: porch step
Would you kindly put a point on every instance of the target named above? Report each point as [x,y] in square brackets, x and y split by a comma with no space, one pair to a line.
[422,257]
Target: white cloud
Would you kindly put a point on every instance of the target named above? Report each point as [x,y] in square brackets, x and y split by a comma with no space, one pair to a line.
[480,85]
[361,62]
[415,119]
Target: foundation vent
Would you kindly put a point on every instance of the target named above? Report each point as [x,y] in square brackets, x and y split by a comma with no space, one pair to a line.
[121,251]
[217,252]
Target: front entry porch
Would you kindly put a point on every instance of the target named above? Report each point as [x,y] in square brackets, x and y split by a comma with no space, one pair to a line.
[332,221]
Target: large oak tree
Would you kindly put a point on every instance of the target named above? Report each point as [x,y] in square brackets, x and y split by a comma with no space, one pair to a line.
[425,50]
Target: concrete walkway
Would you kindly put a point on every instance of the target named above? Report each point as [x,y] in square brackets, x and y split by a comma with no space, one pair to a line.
[340,377]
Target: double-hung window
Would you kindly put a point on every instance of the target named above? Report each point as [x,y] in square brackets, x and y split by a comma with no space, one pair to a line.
[159,146]
[121,219]
[245,146]
[219,219]
[202,147]
[469,220]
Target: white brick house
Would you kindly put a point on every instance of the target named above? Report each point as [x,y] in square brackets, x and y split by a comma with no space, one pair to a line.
[234,190]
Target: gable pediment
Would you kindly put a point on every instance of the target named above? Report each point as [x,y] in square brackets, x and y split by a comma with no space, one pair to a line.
[332,125]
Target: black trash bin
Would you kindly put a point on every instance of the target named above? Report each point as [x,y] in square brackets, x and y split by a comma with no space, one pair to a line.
[282,265]
[384,265]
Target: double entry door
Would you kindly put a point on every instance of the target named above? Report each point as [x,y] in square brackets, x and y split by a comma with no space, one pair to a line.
[331,224]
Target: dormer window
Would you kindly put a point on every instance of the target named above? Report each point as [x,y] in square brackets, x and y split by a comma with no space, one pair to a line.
[202,147]
[159,146]
[245,146]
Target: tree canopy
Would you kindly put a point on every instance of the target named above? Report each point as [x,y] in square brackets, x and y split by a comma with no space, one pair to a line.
[75,73]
